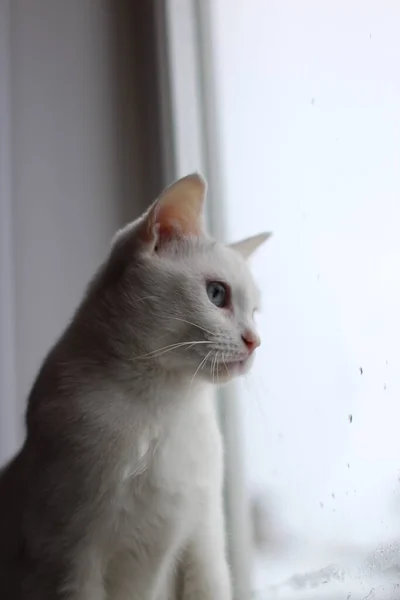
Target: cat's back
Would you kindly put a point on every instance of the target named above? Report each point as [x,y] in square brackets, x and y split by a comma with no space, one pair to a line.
[12,480]
[12,494]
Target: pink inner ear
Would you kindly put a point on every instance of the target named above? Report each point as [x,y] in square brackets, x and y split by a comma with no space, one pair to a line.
[172,220]
[177,212]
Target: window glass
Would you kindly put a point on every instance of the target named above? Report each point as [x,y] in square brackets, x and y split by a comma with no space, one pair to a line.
[309,109]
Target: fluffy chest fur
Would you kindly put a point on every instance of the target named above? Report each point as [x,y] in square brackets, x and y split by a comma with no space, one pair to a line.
[172,464]
[166,474]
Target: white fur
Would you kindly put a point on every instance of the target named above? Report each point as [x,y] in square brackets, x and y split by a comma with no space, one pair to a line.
[166,492]
[164,509]
[183,474]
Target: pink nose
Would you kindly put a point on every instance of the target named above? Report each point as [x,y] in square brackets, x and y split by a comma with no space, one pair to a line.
[251,340]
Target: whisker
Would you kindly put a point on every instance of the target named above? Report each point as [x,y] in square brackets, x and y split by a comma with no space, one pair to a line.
[225,365]
[202,363]
[188,348]
[213,368]
[253,393]
[173,347]
[217,362]
[159,351]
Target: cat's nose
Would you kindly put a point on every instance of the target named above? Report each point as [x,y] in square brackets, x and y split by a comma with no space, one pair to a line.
[251,339]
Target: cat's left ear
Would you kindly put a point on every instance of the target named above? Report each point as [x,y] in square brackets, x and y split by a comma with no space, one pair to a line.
[249,245]
[177,212]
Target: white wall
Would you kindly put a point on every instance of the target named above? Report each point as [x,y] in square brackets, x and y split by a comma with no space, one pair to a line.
[72,173]
[9,425]
[63,166]
[309,104]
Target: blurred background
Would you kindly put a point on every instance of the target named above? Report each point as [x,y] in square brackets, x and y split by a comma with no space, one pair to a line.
[291,108]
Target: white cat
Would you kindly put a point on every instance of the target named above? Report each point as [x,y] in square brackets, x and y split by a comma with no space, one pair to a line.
[117,491]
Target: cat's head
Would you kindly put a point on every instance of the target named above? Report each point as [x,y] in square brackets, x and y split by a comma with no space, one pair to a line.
[186,301]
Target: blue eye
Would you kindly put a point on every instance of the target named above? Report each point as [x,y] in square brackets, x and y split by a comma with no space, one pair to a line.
[218,293]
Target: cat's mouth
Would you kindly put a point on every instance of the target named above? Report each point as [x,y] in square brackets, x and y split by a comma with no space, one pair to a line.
[233,368]
[224,369]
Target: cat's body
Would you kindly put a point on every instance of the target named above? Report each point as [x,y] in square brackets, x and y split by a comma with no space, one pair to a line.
[152,489]
[117,491]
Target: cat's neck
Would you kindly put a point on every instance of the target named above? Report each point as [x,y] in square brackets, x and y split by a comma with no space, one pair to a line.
[160,399]
[154,383]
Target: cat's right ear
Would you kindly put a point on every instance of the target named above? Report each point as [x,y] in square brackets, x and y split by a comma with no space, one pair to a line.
[249,245]
[177,213]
